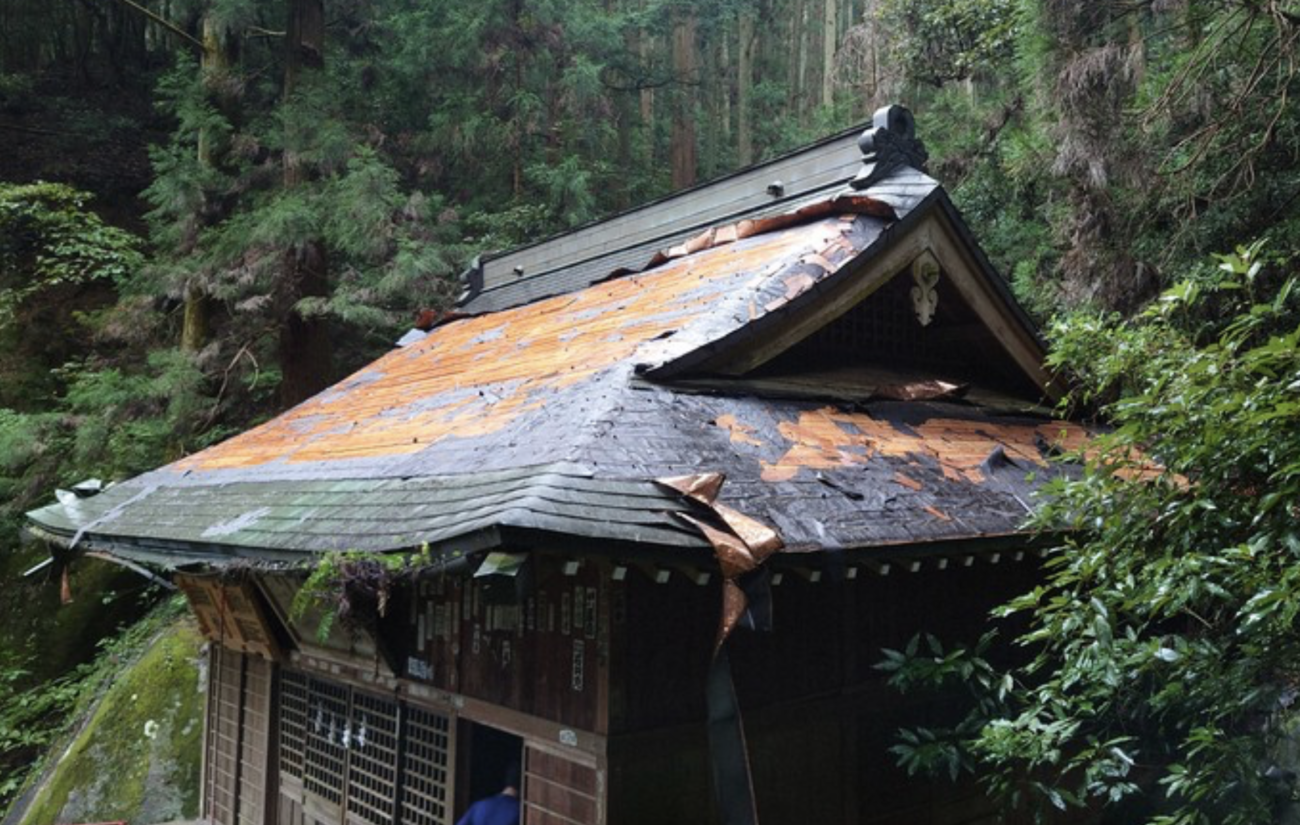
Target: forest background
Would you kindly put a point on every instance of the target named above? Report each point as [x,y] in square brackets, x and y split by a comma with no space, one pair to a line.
[211,209]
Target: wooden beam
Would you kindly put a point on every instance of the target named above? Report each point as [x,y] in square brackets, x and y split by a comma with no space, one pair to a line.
[965,273]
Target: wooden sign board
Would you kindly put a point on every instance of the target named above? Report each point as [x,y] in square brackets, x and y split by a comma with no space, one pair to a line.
[231,614]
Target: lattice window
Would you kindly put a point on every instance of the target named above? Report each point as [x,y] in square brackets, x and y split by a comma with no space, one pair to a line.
[327,730]
[377,760]
[882,329]
[293,722]
[372,767]
[426,768]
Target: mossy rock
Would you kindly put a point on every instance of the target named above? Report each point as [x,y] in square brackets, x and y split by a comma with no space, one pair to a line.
[137,759]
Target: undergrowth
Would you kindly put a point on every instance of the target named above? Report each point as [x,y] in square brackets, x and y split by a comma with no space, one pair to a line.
[34,716]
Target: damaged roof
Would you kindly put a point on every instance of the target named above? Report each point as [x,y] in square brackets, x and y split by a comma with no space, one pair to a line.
[555,415]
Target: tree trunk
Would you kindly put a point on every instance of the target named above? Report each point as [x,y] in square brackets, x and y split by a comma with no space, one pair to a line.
[793,43]
[830,39]
[215,62]
[748,41]
[304,41]
[801,85]
[646,61]
[684,159]
[306,352]
[725,90]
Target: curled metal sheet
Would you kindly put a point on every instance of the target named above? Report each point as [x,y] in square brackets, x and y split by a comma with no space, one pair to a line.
[734,557]
[740,548]
[702,487]
[761,540]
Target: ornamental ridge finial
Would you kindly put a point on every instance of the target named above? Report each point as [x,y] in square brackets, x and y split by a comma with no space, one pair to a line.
[889,145]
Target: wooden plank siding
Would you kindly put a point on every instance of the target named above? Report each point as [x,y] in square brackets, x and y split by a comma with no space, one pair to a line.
[238,746]
[559,791]
[545,656]
[354,746]
[255,747]
[818,716]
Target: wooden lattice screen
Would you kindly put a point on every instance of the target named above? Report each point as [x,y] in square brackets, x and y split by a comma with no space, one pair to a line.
[427,768]
[351,756]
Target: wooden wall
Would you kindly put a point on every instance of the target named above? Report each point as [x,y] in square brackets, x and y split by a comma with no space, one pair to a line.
[818,718]
[332,735]
[546,656]
[603,680]
[239,744]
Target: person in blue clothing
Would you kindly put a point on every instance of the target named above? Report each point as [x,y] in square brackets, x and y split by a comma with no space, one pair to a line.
[501,809]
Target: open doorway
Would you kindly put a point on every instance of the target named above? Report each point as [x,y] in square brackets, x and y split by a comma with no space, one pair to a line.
[486,759]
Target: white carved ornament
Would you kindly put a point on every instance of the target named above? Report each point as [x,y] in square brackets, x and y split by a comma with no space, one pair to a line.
[925,296]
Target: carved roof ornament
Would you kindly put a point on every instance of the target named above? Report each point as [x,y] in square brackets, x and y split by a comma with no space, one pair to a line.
[889,145]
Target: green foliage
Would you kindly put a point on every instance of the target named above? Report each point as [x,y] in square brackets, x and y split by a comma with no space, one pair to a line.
[1163,645]
[353,587]
[50,239]
[35,714]
[939,41]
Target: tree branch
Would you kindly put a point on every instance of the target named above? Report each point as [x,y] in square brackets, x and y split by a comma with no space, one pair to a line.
[165,23]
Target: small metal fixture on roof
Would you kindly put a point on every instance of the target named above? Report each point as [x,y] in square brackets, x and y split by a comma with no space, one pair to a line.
[889,145]
[776,189]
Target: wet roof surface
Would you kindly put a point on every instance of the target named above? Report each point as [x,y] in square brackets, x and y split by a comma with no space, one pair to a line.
[533,418]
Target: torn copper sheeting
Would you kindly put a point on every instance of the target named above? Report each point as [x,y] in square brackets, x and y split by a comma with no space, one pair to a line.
[761,540]
[702,487]
[849,203]
[741,551]
[734,558]
[729,233]
[931,390]
[734,604]
[430,318]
